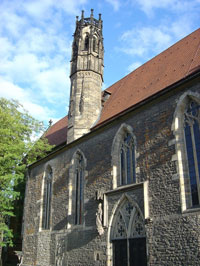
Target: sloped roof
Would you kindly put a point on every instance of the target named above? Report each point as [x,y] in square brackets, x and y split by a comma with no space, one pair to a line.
[57,133]
[167,68]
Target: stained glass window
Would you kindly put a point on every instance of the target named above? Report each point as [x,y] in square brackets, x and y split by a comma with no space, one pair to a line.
[47,200]
[192,141]
[79,189]
[127,160]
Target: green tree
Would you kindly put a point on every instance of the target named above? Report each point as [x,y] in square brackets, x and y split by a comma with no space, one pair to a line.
[18,149]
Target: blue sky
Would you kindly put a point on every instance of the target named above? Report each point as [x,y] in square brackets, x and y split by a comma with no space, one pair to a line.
[36,37]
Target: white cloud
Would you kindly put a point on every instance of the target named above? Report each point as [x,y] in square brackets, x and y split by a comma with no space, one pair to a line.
[134,65]
[140,41]
[11,91]
[115,3]
[54,83]
[151,40]
[35,53]
[180,6]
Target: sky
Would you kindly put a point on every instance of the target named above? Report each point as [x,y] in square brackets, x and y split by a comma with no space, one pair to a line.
[36,38]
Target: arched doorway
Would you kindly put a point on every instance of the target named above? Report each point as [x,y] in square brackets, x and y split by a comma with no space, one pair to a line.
[128,236]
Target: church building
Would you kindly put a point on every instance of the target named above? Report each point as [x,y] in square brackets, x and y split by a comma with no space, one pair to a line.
[122,185]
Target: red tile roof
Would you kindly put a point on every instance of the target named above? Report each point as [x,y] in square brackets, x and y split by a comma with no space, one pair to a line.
[57,133]
[167,68]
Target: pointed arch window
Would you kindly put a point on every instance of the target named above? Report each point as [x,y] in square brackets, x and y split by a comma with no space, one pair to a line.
[79,177]
[192,144]
[127,160]
[95,45]
[47,199]
[86,44]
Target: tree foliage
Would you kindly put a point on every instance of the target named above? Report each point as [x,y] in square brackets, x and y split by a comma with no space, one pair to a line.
[18,148]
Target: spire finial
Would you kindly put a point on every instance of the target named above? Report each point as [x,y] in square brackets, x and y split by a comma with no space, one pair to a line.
[82,15]
[92,10]
[99,16]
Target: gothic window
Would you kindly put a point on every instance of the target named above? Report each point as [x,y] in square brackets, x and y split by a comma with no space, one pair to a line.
[192,145]
[127,160]
[95,45]
[47,199]
[128,236]
[86,44]
[79,175]
[124,157]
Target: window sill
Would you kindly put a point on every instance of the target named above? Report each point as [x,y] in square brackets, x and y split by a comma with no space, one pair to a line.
[192,210]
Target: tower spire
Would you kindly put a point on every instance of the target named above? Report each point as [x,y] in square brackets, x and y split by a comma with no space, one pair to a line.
[86,76]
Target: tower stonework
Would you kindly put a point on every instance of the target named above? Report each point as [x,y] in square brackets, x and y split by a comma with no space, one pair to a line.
[86,76]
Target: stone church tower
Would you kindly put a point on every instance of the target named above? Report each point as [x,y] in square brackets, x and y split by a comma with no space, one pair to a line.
[86,76]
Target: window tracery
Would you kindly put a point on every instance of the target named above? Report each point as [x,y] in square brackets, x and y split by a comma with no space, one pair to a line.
[127,160]
[128,223]
[128,235]
[124,157]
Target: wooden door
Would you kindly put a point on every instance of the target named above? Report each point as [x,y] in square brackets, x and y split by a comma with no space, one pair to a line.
[120,252]
[137,252]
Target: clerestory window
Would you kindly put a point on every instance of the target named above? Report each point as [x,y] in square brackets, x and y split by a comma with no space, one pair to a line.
[127,160]
[192,145]
[47,199]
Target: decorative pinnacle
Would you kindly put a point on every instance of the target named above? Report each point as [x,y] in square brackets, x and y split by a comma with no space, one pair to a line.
[99,16]
[92,10]
[82,15]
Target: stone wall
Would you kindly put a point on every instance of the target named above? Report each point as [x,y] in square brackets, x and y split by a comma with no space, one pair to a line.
[172,236]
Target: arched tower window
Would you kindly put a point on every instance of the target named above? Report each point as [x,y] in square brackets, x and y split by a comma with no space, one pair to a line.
[79,175]
[47,196]
[192,143]
[128,235]
[124,157]
[95,44]
[86,44]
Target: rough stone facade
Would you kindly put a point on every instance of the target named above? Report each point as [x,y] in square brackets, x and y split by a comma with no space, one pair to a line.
[119,191]
[172,236]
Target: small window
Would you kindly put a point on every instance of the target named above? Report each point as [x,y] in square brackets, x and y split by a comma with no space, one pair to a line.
[79,189]
[47,199]
[86,46]
[95,45]
[127,160]
[192,144]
